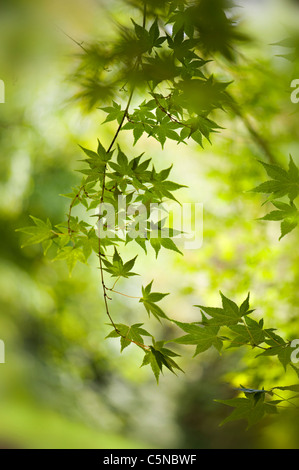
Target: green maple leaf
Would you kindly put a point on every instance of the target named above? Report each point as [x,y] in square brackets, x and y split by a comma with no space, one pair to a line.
[122,166]
[283,182]
[182,21]
[288,215]
[163,187]
[96,162]
[113,113]
[139,168]
[203,337]
[118,268]
[251,333]
[129,334]
[252,408]
[158,357]
[38,233]
[157,240]
[165,129]
[278,347]
[229,314]
[71,255]
[89,243]
[282,351]
[149,300]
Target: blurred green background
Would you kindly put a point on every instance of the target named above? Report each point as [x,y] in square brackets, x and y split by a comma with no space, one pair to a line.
[62,385]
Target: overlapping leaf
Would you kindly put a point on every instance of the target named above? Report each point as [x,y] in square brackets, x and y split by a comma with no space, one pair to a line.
[282,182]
[203,337]
[158,357]
[252,408]
[229,314]
[129,334]
[118,268]
[38,233]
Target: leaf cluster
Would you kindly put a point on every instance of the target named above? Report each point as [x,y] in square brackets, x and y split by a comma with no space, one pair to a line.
[283,183]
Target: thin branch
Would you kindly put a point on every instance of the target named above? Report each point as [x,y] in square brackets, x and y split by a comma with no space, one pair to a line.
[259,140]
[104,287]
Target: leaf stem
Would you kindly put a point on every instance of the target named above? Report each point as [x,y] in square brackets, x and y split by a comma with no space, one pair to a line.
[121,293]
